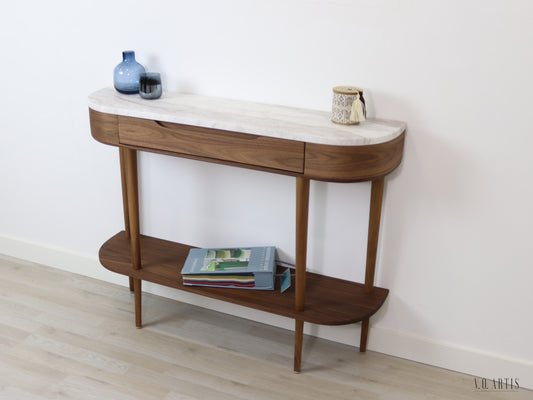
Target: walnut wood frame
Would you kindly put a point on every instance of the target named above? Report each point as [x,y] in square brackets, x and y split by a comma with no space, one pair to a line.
[313,298]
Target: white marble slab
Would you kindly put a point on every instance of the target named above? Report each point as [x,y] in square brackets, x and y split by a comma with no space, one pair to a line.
[247,117]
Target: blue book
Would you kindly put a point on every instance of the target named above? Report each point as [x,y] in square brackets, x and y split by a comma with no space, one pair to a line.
[238,267]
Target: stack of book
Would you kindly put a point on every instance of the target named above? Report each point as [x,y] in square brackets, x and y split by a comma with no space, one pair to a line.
[245,268]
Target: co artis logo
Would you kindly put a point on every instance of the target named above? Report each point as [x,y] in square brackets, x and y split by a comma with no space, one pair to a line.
[496,384]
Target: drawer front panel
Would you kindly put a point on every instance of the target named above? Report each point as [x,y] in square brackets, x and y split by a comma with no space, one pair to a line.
[287,155]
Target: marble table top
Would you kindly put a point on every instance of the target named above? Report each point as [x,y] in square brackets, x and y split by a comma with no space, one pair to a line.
[241,116]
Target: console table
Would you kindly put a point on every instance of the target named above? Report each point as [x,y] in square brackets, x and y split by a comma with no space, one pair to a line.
[276,139]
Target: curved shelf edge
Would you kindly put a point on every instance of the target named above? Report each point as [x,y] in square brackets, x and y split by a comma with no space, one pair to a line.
[162,261]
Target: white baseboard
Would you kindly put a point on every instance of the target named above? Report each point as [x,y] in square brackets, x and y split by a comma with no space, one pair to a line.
[399,344]
[478,363]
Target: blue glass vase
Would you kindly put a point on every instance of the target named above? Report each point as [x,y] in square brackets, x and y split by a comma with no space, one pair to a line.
[126,75]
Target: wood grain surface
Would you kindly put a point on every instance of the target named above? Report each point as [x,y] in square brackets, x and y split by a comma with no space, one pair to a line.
[236,147]
[162,261]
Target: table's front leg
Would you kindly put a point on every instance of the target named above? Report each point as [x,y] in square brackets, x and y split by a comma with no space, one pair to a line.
[122,154]
[302,213]
[129,166]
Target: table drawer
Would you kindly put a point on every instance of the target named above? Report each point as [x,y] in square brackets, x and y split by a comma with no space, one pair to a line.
[261,151]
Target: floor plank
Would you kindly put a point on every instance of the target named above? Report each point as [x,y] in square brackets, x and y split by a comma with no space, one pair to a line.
[65,336]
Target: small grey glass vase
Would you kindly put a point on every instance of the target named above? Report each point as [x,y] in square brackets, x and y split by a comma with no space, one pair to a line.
[150,85]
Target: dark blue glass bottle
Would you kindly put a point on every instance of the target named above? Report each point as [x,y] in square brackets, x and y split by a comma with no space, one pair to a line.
[126,75]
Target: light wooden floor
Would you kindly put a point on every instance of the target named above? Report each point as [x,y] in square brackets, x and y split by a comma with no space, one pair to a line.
[65,336]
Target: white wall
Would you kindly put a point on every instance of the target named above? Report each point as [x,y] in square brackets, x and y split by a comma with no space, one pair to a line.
[456,230]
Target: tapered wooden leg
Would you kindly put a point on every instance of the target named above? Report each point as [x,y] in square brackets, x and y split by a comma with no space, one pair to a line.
[302,213]
[123,180]
[298,342]
[137,290]
[364,335]
[132,205]
[376,199]
[122,153]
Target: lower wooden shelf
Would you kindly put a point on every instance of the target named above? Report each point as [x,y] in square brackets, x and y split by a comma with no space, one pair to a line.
[328,301]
